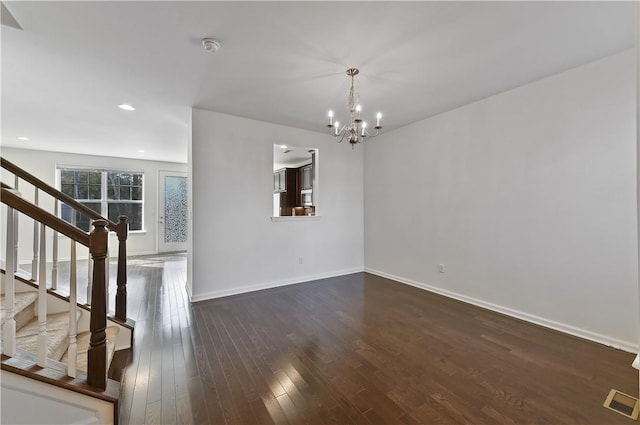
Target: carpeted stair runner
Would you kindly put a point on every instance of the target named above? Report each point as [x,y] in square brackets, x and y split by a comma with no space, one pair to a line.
[83,347]
[57,331]
[24,308]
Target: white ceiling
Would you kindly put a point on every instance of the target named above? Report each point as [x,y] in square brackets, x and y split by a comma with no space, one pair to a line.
[290,156]
[281,62]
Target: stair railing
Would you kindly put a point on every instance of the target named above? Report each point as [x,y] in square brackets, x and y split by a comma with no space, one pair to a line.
[121,228]
[97,242]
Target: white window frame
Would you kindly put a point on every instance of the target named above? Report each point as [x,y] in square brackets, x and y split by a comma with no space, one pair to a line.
[104,202]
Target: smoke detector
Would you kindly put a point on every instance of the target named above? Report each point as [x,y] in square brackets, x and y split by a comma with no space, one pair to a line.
[210,45]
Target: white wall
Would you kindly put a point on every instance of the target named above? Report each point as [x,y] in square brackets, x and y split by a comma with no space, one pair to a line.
[29,401]
[42,164]
[236,246]
[527,197]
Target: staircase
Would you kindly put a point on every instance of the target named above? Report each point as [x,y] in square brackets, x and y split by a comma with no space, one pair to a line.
[56,352]
[57,331]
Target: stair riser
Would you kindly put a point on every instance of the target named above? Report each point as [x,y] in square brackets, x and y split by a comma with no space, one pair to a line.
[25,316]
[60,349]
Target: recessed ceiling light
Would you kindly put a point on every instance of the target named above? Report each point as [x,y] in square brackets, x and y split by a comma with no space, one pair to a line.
[126,107]
[283,146]
[23,138]
[140,150]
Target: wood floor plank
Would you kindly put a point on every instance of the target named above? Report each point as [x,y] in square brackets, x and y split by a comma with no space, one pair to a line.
[153,415]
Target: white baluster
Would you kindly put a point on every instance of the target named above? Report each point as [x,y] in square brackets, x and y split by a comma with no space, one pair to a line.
[89,279]
[15,229]
[42,301]
[9,328]
[15,240]
[54,255]
[73,322]
[34,262]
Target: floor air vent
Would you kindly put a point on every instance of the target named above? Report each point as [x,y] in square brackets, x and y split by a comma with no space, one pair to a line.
[622,403]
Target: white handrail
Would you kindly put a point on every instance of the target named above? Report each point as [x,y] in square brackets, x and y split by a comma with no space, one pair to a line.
[73,321]
[42,302]
[9,328]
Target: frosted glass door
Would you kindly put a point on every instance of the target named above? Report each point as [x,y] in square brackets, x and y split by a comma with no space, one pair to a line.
[173,212]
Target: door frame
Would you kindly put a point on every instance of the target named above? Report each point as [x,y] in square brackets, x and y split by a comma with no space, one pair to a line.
[161,246]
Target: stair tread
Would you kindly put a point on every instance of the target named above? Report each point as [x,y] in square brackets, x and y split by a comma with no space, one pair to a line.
[57,335]
[55,373]
[22,301]
[83,347]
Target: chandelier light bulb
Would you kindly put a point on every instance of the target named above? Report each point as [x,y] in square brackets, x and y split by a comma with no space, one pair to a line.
[330,117]
[378,117]
[336,125]
[358,109]
[364,126]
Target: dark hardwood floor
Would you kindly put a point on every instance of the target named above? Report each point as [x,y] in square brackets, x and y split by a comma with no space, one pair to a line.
[357,349]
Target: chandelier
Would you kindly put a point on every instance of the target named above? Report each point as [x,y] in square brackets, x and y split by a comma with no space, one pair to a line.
[356,130]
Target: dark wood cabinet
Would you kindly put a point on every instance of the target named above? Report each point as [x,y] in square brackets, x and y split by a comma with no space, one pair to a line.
[295,186]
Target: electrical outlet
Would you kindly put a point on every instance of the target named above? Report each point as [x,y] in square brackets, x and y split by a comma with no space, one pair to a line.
[300,260]
[441,268]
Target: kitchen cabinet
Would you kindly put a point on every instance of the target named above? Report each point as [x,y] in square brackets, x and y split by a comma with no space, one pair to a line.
[307,177]
[280,181]
[285,183]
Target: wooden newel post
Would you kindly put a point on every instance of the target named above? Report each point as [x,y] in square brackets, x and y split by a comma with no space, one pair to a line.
[122,230]
[97,356]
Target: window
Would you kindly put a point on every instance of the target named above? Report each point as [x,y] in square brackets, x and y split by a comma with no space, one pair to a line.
[110,193]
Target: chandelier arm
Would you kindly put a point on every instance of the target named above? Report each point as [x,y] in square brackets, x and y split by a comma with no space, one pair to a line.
[340,136]
[343,130]
[366,132]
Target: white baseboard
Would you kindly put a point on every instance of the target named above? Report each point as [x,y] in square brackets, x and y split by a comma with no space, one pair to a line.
[630,347]
[273,284]
[187,287]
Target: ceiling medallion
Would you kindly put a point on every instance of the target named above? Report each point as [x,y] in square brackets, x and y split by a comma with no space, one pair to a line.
[356,130]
